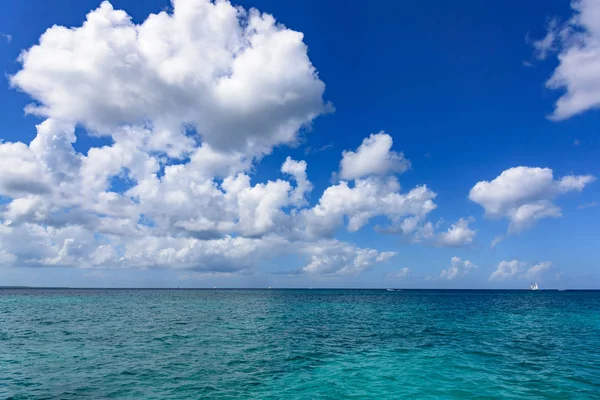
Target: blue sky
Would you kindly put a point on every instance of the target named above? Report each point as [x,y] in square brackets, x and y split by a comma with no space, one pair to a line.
[182,128]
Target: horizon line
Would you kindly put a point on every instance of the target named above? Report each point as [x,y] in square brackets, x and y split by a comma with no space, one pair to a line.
[280,288]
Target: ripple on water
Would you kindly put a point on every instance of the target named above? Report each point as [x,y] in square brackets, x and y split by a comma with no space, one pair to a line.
[298,344]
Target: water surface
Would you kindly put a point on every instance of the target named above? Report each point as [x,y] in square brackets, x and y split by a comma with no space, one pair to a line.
[305,344]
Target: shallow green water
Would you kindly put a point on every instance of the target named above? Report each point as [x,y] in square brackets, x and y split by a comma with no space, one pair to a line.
[177,344]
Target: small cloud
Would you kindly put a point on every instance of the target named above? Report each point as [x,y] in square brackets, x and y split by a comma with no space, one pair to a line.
[374,157]
[546,45]
[525,195]
[528,64]
[310,150]
[588,205]
[496,240]
[6,37]
[576,142]
[457,269]
[427,155]
[519,270]
[459,234]
[506,270]
[401,273]
[537,270]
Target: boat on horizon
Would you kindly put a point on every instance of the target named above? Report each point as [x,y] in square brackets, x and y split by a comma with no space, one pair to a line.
[534,286]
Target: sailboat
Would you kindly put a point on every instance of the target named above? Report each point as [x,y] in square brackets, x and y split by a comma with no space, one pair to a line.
[534,286]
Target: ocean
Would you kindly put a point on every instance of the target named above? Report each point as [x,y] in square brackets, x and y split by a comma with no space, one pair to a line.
[298,344]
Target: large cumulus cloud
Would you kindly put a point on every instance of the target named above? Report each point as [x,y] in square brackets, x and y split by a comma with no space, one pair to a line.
[191,99]
[236,77]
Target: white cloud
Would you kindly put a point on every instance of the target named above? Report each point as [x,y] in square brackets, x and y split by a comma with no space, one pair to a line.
[373,157]
[336,258]
[524,195]
[588,205]
[457,269]
[311,150]
[21,171]
[402,273]
[496,240]
[577,44]
[6,258]
[459,234]
[6,37]
[546,45]
[519,270]
[365,199]
[537,270]
[506,270]
[225,254]
[191,100]
[185,218]
[297,169]
[241,80]
[574,183]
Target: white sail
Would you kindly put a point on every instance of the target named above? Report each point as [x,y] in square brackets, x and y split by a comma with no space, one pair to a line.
[533,286]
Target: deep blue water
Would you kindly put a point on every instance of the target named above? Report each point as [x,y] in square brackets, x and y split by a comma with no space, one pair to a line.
[304,344]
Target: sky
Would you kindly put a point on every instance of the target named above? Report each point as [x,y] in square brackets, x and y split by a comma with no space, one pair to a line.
[300,144]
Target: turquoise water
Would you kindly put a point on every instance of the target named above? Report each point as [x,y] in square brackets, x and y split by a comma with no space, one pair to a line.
[305,344]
